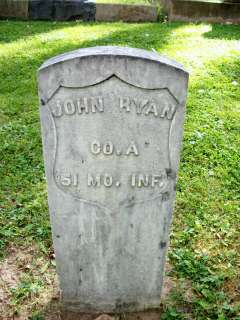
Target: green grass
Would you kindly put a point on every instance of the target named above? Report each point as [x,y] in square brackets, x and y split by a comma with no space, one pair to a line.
[205,241]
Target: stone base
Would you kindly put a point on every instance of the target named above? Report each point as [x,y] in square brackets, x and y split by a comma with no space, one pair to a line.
[126,13]
[195,11]
[145,315]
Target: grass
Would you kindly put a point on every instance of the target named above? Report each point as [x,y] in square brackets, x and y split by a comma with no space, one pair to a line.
[205,243]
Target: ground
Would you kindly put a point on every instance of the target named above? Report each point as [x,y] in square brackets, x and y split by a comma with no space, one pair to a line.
[203,274]
[144,2]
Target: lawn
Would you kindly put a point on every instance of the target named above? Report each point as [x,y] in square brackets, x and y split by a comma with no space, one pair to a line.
[203,274]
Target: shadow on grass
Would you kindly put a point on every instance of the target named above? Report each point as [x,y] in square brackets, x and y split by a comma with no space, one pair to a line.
[18,75]
[227,32]
[14,30]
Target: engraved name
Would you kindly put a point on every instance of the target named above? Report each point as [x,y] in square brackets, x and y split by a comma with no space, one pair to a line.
[147,107]
[83,105]
[94,105]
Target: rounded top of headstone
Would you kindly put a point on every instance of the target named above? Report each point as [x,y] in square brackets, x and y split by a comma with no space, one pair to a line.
[113,51]
[90,66]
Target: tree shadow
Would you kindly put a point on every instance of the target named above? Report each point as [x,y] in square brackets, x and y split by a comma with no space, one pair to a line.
[227,32]
[19,73]
[14,30]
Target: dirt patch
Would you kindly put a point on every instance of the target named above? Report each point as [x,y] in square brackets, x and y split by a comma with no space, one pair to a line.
[169,283]
[232,288]
[28,283]
[9,278]
[177,293]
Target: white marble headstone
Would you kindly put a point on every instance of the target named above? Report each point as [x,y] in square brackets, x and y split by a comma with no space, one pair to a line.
[112,121]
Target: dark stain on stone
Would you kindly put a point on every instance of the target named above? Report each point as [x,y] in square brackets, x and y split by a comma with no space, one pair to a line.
[162,244]
[170,173]
[164,224]
[122,305]
[128,202]
[43,102]
[165,196]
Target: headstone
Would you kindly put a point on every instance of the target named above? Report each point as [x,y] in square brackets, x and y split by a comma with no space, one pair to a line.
[112,121]
[62,10]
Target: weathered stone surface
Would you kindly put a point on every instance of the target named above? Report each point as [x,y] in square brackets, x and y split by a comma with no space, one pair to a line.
[104,317]
[14,9]
[112,122]
[184,10]
[143,315]
[62,10]
[128,13]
